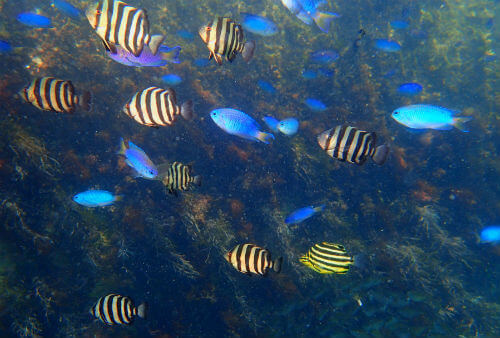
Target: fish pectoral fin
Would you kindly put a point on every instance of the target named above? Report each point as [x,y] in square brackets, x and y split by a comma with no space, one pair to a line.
[109,46]
[218,59]
[210,55]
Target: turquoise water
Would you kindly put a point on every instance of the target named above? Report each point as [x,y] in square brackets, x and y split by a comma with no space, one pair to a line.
[416,218]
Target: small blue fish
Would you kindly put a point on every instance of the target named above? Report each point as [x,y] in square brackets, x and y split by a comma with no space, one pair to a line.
[388,46]
[309,74]
[266,86]
[258,25]
[5,47]
[201,62]
[164,55]
[302,214]
[34,20]
[96,198]
[315,104]
[399,24]
[271,123]
[137,159]
[490,234]
[171,79]
[324,56]
[424,116]
[67,8]
[307,12]
[289,126]
[186,35]
[236,122]
[410,89]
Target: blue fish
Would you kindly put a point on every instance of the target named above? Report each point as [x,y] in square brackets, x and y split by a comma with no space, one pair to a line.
[96,198]
[67,8]
[34,20]
[236,122]
[201,62]
[302,214]
[258,24]
[424,116]
[164,55]
[186,35]
[410,89]
[5,47]
[490,234]
[289,126]
[266,86]
[307,12]
[137,159]
[399,24]
[325,56]
[315,104]
[271,123]
[171,79]
[309,74]
[388,46]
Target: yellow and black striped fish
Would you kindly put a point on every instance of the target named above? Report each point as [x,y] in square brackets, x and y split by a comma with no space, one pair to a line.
[250,258]
[352,145]
[224,38]
[156,107]
[327,258]
[115,309]
[177,176]
[48,93]
[118,23]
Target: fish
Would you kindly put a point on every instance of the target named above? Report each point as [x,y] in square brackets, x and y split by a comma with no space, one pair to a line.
[51,94]
[115,309]
[177,177]
[138,160]
[154,107]
[67,8]
[225,38]
[324,56]
[425,116]
[258,24]
[490,234]
[327,258]
[315,104]
[236,122]
[96,198]
[289,126]
[5,47]
[399,24]
[307,12]
[250,258]
[271,123]
[410,89]
[388,46]
[266,86]
[118,23]
[171,79]
[302,214]
[34,20]
[350,144]
[164,55]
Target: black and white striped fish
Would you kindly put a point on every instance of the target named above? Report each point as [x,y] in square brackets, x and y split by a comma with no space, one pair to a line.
[177,176]
[48,93]
[225,38]
[118,23]
[156,107]
[249,258]
[115,309]
[352,145]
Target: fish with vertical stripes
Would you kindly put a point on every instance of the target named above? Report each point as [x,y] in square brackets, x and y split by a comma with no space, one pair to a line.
[352,145]
[225,38]
[51,94]
[250,258]
[155,107]
[327,258]
[118,23]
[114,309]
[177,176]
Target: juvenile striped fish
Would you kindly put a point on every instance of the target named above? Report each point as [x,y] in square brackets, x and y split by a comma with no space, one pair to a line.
[154,107]
[327,258]
[51,94]
[118,23]
[352,145]
[250,258]
[114,309]
[177,176]
[225,38]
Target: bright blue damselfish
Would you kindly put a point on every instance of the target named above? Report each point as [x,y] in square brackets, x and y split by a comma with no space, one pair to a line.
[34,20]
[164,55]
[425,116]
[171,79]
[302,214]
[490,234]
[258,24]
[95,198]
[315,104]
[236,122]
[266,86]
[324,56]
[5,47]
[289,126]
[388,46]
[271,123]
[67,8]
[409,89]
[138,160]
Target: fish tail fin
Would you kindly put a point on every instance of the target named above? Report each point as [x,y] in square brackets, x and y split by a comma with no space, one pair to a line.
[170,54]
[85,101]
[155,43]
[248,51]
[197,180]
[381,153]
[187,110]
[323,20]
[319,208]
[123,147]
[264,137]
[459,123]
[277,264]
[142,310]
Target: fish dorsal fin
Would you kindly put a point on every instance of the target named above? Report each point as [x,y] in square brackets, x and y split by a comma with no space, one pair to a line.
[132,146]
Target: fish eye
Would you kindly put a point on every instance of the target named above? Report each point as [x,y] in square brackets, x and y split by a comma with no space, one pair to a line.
[98,12]
[208,28]
[396,113]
